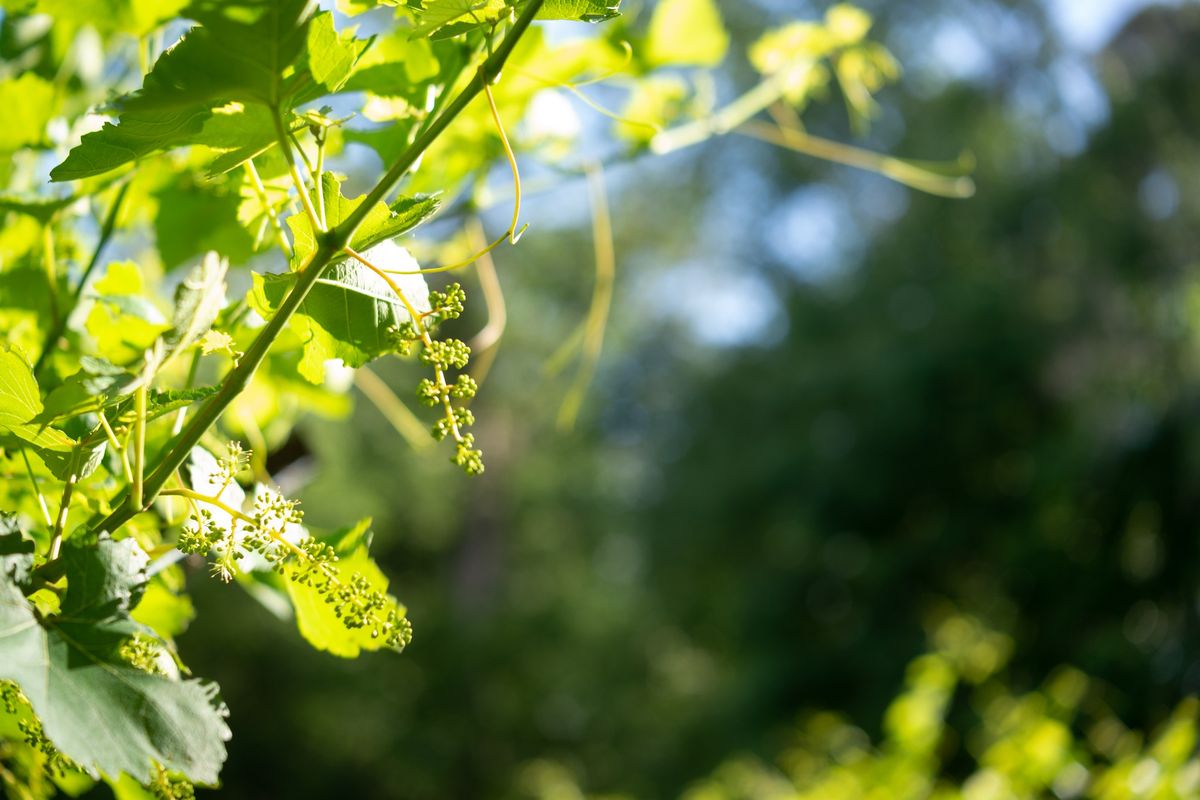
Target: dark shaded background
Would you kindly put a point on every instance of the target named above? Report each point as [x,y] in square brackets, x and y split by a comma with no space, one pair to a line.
[826,405]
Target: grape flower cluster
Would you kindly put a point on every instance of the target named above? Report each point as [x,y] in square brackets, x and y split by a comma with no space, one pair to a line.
[230,535]
[444,355]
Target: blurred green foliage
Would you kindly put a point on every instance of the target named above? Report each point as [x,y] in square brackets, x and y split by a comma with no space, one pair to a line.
[1021,746]
[996,409]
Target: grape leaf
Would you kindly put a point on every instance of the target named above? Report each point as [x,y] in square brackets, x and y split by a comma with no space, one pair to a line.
[582,10]
[20,403]
[97,384]
[138,134]
[100,385]
[396,66]
[456,16]
[331,56]
[98,711]
[21,417]
[194,217]
[16,552]
[349,310]
[241,132]
[407,213]
[164,401]
[239,53]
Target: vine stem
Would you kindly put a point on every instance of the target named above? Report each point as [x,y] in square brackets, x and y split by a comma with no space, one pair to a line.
[260,190]
[64,506]
[897,169]
[37,489]
[723,120]
[486,75]
[60,324]
[282,136]
[111,435]
[330,247]
[139,443]
[513,234]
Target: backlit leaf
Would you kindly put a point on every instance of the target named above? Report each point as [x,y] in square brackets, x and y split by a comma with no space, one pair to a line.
[239,53]
[349,310]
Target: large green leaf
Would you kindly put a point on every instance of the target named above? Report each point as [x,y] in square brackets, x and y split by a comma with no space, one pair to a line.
[180,204]
[21,402]
[349,310]
[139,133]
[239,53]
[96,385]
[97,710]
[397,66]
[242,52]
[240,132]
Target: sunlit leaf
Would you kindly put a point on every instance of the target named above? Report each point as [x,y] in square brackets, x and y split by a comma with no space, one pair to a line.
[238,53]
[349,311]
[21,403]
[582,10]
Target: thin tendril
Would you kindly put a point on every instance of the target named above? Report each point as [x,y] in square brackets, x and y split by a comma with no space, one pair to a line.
[513,234]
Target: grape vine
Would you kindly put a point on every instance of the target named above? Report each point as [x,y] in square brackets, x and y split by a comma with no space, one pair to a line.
[140,394]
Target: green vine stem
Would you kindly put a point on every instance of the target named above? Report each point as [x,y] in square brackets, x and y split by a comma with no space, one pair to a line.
[60,321]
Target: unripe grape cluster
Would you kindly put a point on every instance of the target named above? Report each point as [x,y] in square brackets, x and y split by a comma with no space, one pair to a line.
[444,355]
[16,703]
[232,536]
[171,786]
